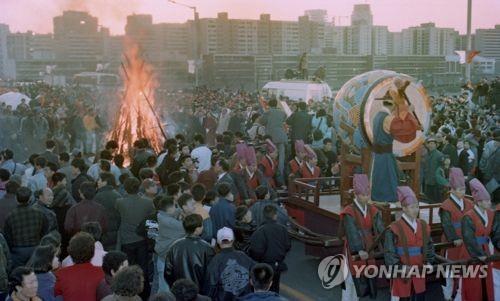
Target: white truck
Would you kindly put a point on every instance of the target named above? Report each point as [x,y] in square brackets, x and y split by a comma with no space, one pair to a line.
[298,90]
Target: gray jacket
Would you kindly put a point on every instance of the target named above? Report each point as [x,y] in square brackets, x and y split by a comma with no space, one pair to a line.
[170,229]
[273,120]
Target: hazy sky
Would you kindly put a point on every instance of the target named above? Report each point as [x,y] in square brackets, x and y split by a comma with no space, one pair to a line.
[36,15]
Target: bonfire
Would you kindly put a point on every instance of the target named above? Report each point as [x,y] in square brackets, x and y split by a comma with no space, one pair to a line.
[136,117]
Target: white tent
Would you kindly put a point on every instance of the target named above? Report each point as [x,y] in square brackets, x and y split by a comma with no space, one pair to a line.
[298,90]
[13,99]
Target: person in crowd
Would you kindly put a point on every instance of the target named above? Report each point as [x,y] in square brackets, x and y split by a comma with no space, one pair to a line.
[261,279]
[229,271]
[69,284]
[140,157]
[23,285]
[243,228]
[224,175]
[112,262]
[432,162]
[43,262]
[361,223]
[169,230]
[44,199]
[188,257]
[87,210]
[49,153]
[274,120]
[24,227]
[8,203]
[223,212]
[300,124]
[94,170]
[185,289]
[449,149]
[466,157]
[134,209]
[127,284]
[263,199]
[38,181]
[201,153]
[66,169]
[79,176]
[270,243]
[268,163]
[477,225]
[107,196]
[408,242]
[94,229]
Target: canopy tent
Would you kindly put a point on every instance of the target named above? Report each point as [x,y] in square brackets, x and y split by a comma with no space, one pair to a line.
[13,99]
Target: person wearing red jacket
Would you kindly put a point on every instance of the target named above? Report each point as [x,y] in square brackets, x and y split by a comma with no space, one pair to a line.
[451,212]
[361,222]
[477,227]
[408,245]
[310,169]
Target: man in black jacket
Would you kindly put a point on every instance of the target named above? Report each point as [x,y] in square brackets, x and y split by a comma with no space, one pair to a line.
[270,244]
[189,257]
[107,196]
[229,271]
[300,124]
[78,171]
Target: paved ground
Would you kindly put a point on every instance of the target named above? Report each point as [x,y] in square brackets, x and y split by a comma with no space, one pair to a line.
[301,281]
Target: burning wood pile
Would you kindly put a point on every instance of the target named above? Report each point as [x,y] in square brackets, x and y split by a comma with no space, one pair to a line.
[136,118]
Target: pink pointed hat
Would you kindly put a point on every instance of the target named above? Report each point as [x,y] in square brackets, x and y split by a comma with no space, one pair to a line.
[406,196]
[361,184]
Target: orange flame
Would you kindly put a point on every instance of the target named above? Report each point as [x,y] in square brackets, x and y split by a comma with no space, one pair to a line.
[135,119]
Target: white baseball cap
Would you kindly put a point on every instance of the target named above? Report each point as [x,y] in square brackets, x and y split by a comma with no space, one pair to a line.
[225,234]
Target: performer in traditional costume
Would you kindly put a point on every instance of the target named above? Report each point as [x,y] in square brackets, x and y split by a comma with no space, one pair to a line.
[361,222]
[395,121]
[310,169]
[252,176]
[269,162]
[477,231]
[408,243]
[451,213]
[296,163]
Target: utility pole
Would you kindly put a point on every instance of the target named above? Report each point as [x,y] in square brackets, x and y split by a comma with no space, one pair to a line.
[197,44]
[469,40]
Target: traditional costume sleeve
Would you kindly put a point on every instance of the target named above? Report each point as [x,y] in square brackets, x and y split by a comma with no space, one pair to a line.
[390,255]
[378,224]
[352,234]
[430,253]
[495,231]
[449,230]
[468,233]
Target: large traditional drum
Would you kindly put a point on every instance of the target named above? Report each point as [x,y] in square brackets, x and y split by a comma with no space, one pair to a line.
[359,100]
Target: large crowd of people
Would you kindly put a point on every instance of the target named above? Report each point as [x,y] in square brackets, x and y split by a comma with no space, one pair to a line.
[199,218]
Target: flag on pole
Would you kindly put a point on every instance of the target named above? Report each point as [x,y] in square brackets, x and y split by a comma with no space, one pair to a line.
[471,54]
